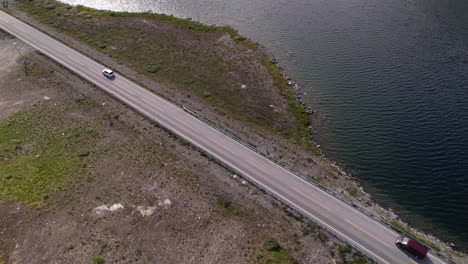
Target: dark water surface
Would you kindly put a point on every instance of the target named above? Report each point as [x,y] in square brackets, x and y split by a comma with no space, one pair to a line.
[390,80]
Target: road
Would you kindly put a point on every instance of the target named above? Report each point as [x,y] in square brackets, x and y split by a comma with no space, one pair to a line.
[363,232]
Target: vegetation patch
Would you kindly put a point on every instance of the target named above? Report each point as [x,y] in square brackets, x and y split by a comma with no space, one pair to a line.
[228,209]
[353,191]
[272,252]
[36,158]
[349,256]
[309,228]
[297,110]
[271,244]
[98,259]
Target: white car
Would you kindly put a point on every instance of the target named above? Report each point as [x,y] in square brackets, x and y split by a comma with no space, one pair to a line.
[108,73]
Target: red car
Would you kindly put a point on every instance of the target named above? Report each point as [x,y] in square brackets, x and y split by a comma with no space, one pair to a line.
[411,246]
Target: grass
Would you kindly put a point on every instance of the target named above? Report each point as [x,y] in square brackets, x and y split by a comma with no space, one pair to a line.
[272,252]
[3,258]
[281,257]
[37,157]
[98,259]
[297,110]
[189,58]
[309,228]
[228,209]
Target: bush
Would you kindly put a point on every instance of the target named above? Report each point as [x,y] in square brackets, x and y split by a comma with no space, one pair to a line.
[306,231]
[153,68]
[344,251]
[83,13]
[102,46]
[98,259]
[83,153]
[223,203]
[50,6]
[271,244]
[353,191]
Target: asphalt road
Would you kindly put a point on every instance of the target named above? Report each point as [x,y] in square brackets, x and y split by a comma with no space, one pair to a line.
[364,233]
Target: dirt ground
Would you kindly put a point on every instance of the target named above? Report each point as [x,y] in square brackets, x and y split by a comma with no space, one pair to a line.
[195,211]
[211,214]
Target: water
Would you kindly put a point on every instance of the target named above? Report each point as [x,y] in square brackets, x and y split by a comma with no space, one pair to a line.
[390,80]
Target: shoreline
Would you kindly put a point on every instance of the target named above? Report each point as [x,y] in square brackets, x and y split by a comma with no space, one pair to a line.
[299,93]
[405,220]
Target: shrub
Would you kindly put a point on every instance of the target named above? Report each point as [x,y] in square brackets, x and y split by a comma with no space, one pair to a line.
[98,259]
[153,68]
[83,13]
[83,153]
[50,6]
[306,231]
[102,46]
[223,203]
[344,251]
[353,191]
[271,244]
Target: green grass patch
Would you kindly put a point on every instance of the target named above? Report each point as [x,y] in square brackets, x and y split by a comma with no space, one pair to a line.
[309,228]
[297,110]
[98,259]
[153,68]
[272,252]
[37,158]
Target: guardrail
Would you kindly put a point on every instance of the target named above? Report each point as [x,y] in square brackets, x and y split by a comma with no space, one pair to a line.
[311,181]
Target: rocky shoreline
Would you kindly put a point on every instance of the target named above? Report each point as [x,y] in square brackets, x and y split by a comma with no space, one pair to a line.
[386,214]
